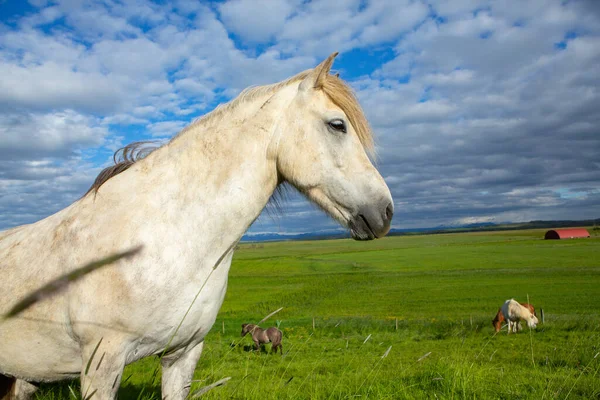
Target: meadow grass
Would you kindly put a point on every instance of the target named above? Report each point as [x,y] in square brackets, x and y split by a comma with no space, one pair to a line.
[443,291]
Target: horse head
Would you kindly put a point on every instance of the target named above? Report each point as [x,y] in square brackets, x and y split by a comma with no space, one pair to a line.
[321,145]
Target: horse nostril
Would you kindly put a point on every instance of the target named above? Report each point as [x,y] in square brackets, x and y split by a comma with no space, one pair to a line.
[389,211]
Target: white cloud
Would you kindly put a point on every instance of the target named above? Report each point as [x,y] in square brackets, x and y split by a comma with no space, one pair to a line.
[475,220]
[387,20]
[321,27]
[95,20]
[42,167]
[132,57]
[123,119]
[166,128]
[193,86]
[52,86]
[33,192]
[57,134]
[254,21]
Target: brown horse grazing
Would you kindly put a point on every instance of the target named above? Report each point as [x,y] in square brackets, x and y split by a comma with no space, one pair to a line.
[262,336]
[499,318]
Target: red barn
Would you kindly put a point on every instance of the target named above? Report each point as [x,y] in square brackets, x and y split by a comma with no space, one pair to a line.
[570,233]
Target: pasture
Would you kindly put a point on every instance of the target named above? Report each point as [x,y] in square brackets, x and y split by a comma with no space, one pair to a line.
[401,317]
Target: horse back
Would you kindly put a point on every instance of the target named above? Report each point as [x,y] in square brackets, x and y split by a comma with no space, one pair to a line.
[515,311]
[11,231]
[510,309]
[275,335]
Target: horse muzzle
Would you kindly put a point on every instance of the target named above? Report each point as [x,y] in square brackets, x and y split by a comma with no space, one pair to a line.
[372,222]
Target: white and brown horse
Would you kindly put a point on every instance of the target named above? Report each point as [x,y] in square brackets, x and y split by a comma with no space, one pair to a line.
[187,203]
[514,312]
[499,320]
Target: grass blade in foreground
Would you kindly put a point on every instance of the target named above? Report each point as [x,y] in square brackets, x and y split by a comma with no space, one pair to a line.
[205,389]
[269,316]
[60,283]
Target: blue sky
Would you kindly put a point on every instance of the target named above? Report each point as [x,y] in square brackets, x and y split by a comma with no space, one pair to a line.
[483,110]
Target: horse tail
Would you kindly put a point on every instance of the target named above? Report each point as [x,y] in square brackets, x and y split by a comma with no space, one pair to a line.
[277,341]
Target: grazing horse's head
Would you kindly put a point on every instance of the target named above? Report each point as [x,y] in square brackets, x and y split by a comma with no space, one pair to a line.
[532,322]
[246,328]
[320,144]
[497,321]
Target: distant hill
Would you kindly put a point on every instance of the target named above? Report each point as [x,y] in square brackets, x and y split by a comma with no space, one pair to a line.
[506,226]
[475,227]
[274,237]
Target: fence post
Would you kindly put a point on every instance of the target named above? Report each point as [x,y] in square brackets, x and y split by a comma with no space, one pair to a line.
[396,323]
[542,313]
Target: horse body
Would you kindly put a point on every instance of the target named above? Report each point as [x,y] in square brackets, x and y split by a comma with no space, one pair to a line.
[499,318]
[187,203]
[514,312]
[262,336]
[136,307]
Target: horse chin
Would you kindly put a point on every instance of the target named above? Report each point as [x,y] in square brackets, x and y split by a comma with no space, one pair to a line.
[372,221]
[361,230]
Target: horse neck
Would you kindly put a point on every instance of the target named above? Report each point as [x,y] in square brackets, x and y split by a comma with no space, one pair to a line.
[525,313]
[254,329]
[212,181]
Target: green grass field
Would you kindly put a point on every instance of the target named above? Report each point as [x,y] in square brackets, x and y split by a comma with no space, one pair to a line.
[443,291]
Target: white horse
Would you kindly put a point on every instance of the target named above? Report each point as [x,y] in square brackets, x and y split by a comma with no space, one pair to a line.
[514,312]
[187,203]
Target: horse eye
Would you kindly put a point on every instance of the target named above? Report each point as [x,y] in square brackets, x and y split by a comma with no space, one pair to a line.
[337,125]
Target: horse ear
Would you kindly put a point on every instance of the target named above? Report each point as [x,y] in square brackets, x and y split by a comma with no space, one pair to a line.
[317,77]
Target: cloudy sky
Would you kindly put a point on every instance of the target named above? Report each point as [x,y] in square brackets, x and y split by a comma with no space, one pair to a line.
[483,110]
